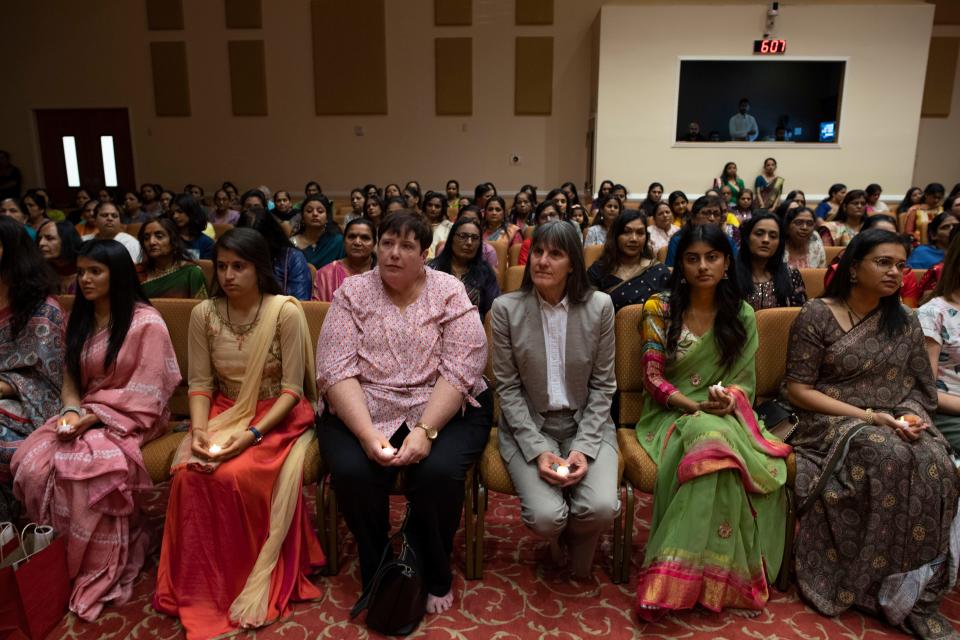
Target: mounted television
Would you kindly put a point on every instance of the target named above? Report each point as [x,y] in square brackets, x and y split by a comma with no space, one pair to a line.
[788,100]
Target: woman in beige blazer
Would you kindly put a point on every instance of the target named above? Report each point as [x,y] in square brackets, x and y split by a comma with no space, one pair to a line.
[553,356]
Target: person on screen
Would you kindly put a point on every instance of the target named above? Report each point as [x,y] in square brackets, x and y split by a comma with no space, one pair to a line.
[693,133]
[743,126]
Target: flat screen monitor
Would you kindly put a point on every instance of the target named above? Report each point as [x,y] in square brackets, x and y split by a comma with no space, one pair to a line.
[828,131]
[788,100]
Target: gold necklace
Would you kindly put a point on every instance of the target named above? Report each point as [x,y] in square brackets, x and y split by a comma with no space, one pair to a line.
[241,330]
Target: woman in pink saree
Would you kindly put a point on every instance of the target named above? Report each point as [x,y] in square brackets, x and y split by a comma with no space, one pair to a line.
[82,471]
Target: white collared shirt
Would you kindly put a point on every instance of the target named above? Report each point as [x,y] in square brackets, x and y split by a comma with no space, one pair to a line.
[554,318]
[743,127]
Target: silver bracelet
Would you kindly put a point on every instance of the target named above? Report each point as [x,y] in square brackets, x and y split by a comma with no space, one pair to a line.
[68,409]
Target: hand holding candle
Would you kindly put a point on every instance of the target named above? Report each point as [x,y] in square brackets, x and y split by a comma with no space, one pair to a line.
[215,449]
[562,470]
[64,427]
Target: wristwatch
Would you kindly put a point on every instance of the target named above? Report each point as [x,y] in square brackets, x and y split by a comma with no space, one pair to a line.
[430,431]
[257,436]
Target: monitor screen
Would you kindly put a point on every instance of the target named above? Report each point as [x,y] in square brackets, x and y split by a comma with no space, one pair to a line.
[828,131]
[765,100]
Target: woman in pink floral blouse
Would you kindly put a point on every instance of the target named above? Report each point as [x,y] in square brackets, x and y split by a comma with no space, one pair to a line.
[400,365]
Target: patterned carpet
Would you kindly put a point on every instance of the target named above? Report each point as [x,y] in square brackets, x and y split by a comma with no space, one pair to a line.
[515,600]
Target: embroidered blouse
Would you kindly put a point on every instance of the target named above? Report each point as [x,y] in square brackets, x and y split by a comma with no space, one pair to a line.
[656,323]
[398,356]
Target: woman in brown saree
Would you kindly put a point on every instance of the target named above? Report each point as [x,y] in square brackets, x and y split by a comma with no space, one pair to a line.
[877,496]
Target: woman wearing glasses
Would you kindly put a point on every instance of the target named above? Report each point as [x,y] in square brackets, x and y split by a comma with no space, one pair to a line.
[804,248]
[876,489]
[463,259]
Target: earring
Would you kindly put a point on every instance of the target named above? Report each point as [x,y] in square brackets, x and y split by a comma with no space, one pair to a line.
[683,280]
[853,278]
[726,276]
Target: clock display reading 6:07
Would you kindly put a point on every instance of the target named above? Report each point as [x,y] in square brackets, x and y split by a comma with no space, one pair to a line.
[769,46]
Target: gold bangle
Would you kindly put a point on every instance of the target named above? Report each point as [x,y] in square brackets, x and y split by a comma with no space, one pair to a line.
[869,418]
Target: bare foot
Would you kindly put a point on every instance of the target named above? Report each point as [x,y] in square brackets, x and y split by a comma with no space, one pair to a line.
[439,604]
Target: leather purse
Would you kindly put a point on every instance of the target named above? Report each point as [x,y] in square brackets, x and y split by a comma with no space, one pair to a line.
[779,419]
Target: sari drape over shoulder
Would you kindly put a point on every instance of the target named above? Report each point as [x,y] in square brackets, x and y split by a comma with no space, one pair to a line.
[33,365]
[184,281]
[238,544]
[719,507]
[88,487]
[876,511]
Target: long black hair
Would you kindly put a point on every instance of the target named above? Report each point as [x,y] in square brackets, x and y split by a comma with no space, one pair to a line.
[125,294]
[252,247]
[893,318]
[609,260]
[331,228]
[197,219]
[257,219]
[907,201]
[728,331]
[853,194]
[776,267]
[478,271]
[28,277]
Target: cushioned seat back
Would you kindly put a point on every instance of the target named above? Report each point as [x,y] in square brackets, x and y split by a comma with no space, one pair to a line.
[592,253]
[629,336]
[773,328]
[832,252]
[514,254]
[208,273]
[813,281]
[315,312]
[500,246]
[133,228]
[662,254]
[176,314]
[220,228]
[514,279]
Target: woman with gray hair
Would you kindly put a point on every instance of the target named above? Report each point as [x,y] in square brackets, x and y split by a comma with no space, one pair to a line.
[553,355]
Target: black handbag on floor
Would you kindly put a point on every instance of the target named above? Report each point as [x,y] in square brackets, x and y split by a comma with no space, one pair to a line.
[396,599]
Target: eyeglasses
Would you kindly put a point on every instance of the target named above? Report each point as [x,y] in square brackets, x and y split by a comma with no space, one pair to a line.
[803,224]
[466,237]
[885,264]
[711,214]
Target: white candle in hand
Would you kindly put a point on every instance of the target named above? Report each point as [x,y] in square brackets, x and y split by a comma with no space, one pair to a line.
[64,426]
[563,470]
[718,387]
[388,452]
[215,449]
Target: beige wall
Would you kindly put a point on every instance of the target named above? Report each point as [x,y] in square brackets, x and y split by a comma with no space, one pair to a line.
[938,151]
[881,102]
[93,54]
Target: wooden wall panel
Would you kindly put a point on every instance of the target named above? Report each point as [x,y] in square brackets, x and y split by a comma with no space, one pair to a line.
[171,83]
[448,13]
[533,90]
[941,72]
[349,57]
[947,11]
[243,14]
[248,77]
[453,61]
[164,15]
[534,12]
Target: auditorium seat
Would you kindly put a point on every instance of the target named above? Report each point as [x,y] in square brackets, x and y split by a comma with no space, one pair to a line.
[220,228]
[592,253]
[514,255]
[133,228]
[514,279]
[662,254]
[832,252]
[813,281]
[207,267]
[500,246]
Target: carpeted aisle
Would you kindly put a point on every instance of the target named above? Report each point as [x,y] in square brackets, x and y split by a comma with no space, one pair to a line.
[515,600]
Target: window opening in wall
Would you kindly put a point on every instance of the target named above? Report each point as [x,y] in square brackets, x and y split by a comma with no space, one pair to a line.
[70,161]
[109,161]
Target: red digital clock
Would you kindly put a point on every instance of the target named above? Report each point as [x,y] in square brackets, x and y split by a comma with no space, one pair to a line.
[767,47]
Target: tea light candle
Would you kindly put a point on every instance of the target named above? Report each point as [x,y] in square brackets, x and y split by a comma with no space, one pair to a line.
[215,449]
[563,470]
[63,426]
[388,452]
[903,422]
[718,387]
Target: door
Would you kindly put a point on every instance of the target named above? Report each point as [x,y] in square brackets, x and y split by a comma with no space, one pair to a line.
[84,147]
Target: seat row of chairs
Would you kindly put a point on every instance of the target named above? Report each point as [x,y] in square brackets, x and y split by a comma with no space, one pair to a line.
[636,470]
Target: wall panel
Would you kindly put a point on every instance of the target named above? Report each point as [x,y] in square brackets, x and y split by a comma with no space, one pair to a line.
[164,15]
[171,82]
[941,70]
[454,76]
[243,14]
[248,77]
[533,91]
[448,13]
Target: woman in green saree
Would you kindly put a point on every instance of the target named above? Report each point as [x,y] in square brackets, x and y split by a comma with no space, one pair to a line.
[719,504]
[167,270]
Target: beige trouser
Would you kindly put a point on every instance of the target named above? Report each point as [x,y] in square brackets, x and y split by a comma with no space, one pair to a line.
[581,512]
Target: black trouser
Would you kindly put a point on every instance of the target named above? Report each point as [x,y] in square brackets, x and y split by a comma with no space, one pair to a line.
[434,489]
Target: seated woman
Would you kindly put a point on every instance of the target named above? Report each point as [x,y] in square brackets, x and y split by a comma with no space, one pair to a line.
[706,210]
[679,205]
[719,510]
[107,220]
[133,211]
[768,186]
[877,495]
[403,395]
[435,208]
[628,271]
[87,224]
[922,213]
[373,209]
[59,244]
[359,242]
[765,279]
[35,207]
[851,215]
[553,348]
[191,221]
[940,319]
[829,206]
[31,349]
[521,213]
[802,248]
[236,507]
[14,209]
[319,236]
[462,258]
[82,472]
[654,198]
[470,212]
[610,208]
[167,270]
[662,227]
[283,206]
[290,267]
[546,211]
[914,195]
[221,213]
[357,198]
[874,203]
[939,232]
[744,208]
[496,226]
